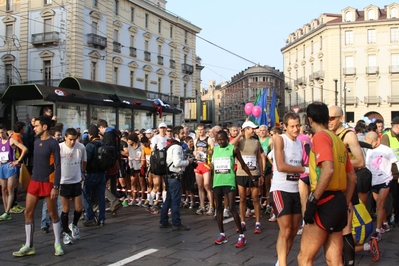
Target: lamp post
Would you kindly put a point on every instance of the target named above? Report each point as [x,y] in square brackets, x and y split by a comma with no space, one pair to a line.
[336,91]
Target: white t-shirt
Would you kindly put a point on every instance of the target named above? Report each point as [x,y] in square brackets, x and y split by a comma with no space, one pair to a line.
[379,161]
[288,182]
[71,160]
[159,141]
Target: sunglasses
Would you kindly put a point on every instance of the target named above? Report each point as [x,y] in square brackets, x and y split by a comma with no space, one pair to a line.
[332,118]
[168,130]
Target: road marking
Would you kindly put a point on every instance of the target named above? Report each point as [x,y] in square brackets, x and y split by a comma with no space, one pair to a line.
[225,221]
[134,257]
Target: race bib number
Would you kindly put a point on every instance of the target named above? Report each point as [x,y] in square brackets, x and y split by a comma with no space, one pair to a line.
[4,156]
[201,156]
[293,177]
[222,165]
[250,161]
[147,158]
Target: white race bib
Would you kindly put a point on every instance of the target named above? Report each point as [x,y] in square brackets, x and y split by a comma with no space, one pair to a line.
[250,161]
[222,165]
[4,156]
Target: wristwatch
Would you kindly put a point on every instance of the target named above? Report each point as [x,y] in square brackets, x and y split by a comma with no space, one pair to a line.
[56,187]
[312,198]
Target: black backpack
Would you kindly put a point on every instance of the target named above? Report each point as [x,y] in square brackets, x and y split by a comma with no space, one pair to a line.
[158,161]
[105,156]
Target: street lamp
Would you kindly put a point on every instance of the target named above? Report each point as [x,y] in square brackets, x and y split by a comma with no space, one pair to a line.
[336,91]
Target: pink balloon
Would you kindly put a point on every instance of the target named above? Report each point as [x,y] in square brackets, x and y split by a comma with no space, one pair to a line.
[248,108]
[256,111]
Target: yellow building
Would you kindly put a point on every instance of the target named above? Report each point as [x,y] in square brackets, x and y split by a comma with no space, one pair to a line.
[349,59]
[125,42]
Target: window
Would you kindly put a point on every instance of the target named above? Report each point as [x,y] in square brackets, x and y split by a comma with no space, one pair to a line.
[159,26]
[171,54]
[395,61]
[131,78]
[131,40]
[171,31]
[47,25]
[372,59]
[303,48]
[8,73]
[321,42]
[116,35]
[9,5]
[371,36]
[93,71]
[159,50]
[146,46]
[159,85]
[394,34]
[132,14]
[9,31]
[116,7]
[311,47]
[146,21]
[116,70]
[47,2]
[146,82]
[348,16]
[94,27]
[171,85]
[185,59]
[371,14]
[185,36]
[47,72]
[95,3]
[348,37]
[394,12]
[296,54]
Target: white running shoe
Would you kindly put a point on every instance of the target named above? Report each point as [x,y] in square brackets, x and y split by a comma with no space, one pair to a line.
[75,231]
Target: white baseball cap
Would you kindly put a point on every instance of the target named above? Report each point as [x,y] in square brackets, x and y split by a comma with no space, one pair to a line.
[162,125]
[148,131]
[249,124]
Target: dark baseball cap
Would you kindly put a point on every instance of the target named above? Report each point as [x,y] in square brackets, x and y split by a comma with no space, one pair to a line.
[395,121]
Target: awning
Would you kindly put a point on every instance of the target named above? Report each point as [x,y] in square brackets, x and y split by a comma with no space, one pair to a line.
[101,87]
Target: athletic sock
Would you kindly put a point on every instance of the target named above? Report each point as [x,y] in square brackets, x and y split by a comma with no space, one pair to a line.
[163,196]
[29,229]
[76,217]
[157,196]
[366,246]
[56,231]
[64,221]
[151,198]
[349,250]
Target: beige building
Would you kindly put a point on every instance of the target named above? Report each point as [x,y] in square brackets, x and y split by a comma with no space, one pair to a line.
[133,43]
[350,59]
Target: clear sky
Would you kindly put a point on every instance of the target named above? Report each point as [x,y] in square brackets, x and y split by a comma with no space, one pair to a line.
[253,29]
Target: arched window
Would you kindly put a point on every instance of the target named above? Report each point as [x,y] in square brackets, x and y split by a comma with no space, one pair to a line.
[348,16]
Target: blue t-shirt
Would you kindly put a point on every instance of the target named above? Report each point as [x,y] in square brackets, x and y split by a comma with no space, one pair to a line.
[47,161]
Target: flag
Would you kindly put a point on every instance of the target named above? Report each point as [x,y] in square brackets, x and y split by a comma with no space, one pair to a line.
[261,101]
[274,117]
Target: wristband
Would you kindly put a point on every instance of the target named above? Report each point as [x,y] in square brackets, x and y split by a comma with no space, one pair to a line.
[306,170]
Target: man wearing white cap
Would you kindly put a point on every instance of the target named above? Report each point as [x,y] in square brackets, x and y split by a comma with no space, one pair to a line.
[159,141]
[251,154]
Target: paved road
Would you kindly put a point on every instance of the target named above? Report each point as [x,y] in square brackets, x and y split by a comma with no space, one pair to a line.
[133,235]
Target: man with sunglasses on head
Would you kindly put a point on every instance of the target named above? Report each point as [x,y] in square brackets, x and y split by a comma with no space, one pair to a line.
[363,184]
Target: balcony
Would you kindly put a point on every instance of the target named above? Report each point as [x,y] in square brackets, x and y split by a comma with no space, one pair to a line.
[46,38]
[372,70]
[187,69]
[318,75]
[172,63]
[132,51]
[160,60]
[372,100]
[302,81]
[350,100]
[96,40]
[394,69]
[349,71]
[147,56]
[117,47]
[392,99]
[311,77]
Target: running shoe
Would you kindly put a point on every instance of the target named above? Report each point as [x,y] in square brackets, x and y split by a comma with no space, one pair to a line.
[201,210]
[226,213]
[75,231]
[248,213]
[221,239]
[125,203]
[168,225]
[386,228]
[145,204]
[257,229]
[17,209]
[58,250]
[139,203]
[268,209]
[5,217]
[241,241]
[243,227]
[273,218]
[156,202]
[181,227]
[152,210]
[191,205]
[300,231]
[210,212]
[374,250]
[377,236]
[24,251]
[67,239]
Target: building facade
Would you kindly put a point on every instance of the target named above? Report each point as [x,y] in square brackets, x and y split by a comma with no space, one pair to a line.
[133,43]
[244,87]
[349,59]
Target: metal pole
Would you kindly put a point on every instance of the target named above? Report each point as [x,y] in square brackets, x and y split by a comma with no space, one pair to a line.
[336,91]
[345,102]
